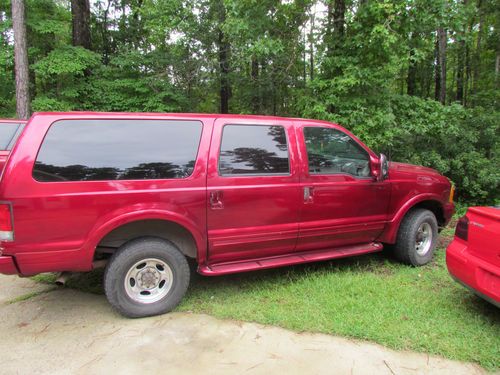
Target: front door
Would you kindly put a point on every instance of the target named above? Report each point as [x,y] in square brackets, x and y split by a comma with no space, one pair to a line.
[342,204]
[253,189]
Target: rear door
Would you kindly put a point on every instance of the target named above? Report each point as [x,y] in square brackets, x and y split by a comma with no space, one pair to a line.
[253,189]
[342,203]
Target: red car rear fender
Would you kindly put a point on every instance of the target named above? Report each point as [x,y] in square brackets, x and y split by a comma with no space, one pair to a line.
[106,226]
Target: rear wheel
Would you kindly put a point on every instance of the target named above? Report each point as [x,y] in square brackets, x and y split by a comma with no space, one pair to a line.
[417,237]
[147,276]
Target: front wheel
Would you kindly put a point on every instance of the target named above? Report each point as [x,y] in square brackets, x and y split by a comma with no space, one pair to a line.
[146,276]
[417,237]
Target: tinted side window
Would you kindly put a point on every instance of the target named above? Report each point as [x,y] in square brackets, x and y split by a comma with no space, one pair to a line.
[253,149]
[7,132]
[93,150]
[331,151]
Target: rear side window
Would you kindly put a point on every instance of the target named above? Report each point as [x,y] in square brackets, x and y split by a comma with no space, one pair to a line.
[94,150]
[253,149]
[7,133]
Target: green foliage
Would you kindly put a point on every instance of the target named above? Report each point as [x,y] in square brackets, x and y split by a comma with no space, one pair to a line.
[66,61]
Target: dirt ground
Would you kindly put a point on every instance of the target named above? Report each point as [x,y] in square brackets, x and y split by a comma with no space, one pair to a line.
[47,330]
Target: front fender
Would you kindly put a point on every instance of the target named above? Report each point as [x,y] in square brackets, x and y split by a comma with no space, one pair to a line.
[391,231]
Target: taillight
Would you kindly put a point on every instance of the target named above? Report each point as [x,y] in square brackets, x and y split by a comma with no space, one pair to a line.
[6,227]
[462,229]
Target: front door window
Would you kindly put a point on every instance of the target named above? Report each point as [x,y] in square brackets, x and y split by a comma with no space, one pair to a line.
[331,151]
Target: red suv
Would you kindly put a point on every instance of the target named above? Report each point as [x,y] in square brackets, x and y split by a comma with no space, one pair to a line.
[9,131]
[143,192]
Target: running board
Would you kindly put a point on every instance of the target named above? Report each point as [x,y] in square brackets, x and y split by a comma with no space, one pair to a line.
[288,259]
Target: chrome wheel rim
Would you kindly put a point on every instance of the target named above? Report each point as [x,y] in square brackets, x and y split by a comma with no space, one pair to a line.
[423,240]
[148,280]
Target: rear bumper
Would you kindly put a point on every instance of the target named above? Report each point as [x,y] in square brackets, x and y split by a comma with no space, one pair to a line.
[474,273]
[7,266]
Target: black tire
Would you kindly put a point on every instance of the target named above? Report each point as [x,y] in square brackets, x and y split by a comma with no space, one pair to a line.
[126,257]
[405,248]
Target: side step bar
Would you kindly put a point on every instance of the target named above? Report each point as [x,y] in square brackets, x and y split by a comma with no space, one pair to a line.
[288,259]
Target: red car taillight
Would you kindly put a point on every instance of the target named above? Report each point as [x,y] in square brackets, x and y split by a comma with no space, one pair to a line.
[6,227]
[462,229]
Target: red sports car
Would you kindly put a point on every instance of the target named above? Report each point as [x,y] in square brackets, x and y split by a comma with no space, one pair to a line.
[473,257]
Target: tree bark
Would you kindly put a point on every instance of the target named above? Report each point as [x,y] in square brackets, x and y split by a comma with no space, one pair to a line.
[440,74]
[80,13]
[460,72]
[477,53]
[468,71]
[461,64]
[497,69]
[224,51]
[335,25]
[311,47]
[21,60]
[256,86]
[339,18]
[411,80]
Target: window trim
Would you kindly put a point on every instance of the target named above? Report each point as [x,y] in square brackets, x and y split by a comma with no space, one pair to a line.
[17,134]
[124,180]
[236,175]
[10,140]
[340,173]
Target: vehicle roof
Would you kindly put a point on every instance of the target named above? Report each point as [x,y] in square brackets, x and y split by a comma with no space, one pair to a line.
[153,114]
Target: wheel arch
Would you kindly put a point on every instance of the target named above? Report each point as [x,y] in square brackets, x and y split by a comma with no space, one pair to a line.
[430,202]
[173,227]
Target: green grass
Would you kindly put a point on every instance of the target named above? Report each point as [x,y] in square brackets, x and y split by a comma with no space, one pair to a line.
[369,297]
[28,296]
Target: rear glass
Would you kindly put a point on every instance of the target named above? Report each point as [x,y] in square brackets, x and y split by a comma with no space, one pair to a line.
[94,150]
[253,149]
[7,132]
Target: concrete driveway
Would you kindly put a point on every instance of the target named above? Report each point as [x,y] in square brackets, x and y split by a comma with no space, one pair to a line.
[63,331]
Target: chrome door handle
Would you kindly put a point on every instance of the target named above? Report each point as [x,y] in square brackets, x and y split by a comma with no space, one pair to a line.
[216,202]
[308,194]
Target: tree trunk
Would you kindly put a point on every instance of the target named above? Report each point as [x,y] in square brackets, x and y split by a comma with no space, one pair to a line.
[467,72]
[80,13]
[311,47]
[21,60]
[335,25]
[460,72]
[461,64]
[339,18]
[440,74]
[224,50]
[304,58]
[477,54]
[497,69]
[256,86]
[411,80]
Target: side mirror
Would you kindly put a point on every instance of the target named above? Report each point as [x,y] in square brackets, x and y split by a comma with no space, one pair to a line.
[383,168]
